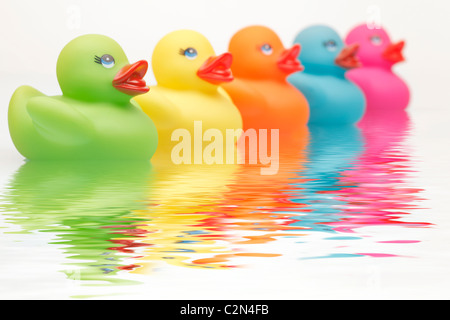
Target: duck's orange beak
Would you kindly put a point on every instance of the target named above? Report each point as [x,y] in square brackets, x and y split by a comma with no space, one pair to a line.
[347,58]
[394,52]
[288,60]
[216,70]
[130,80]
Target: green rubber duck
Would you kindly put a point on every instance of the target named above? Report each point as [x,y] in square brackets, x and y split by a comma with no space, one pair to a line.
[94,118]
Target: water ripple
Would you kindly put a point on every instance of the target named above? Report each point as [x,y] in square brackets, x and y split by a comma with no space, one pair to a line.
[110,219]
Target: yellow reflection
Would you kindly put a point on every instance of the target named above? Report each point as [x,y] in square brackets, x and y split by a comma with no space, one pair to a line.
[206,215]
[182,216]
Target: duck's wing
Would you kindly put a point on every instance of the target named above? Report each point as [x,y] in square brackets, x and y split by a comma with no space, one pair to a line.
[59,122]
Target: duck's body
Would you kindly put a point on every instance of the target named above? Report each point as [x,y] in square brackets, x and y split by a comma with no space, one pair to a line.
[260,89]
[187,93]
[73,127]
[268,104]
[57,127]
[332,98]
[173,109]
[383,89]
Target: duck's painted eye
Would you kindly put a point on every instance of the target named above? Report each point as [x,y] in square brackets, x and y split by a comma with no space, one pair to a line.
[330,45]
[376,40]
[106,60]
[190,53]
[266,49]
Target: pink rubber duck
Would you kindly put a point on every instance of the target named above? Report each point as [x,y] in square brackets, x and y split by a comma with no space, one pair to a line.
[384,90]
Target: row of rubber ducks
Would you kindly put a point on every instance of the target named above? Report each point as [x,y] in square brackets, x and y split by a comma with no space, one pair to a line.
[107,111]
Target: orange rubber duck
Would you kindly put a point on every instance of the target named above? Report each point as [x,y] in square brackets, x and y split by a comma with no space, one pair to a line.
[260,67]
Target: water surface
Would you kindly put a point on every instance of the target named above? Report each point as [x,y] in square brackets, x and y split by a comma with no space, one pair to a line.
[341,193]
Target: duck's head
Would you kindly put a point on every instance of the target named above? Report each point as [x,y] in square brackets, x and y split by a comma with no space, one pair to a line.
[185,59]
[375,47]
[258,53]
[324,51]
[95,68]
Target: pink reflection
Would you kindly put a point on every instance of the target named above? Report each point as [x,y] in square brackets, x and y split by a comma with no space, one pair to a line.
[400,241]
[379,255]
[377,191]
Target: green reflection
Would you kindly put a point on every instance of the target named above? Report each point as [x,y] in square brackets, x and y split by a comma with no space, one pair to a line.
[88,205]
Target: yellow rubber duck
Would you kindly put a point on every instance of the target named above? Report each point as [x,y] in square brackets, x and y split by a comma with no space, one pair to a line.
[188,76]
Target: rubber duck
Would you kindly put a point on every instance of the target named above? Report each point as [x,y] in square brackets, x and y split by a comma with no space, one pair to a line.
[383,89]
[260,90]
[333,99]
[188,75]
[93,118]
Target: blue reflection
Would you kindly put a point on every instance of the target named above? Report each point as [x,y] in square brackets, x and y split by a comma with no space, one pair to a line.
[332,150]
[334,255]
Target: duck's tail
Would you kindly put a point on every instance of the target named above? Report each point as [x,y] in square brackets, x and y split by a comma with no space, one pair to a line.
[19,122]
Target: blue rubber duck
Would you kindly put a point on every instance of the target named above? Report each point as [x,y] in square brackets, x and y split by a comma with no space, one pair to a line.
[333,99]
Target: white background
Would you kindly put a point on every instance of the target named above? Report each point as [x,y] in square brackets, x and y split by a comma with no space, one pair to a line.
[32,33]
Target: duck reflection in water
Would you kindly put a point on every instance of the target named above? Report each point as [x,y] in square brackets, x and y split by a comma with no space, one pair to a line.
[358,177]
[182,216]
[331,151]
[207,215]
[88,207]
[379,193]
